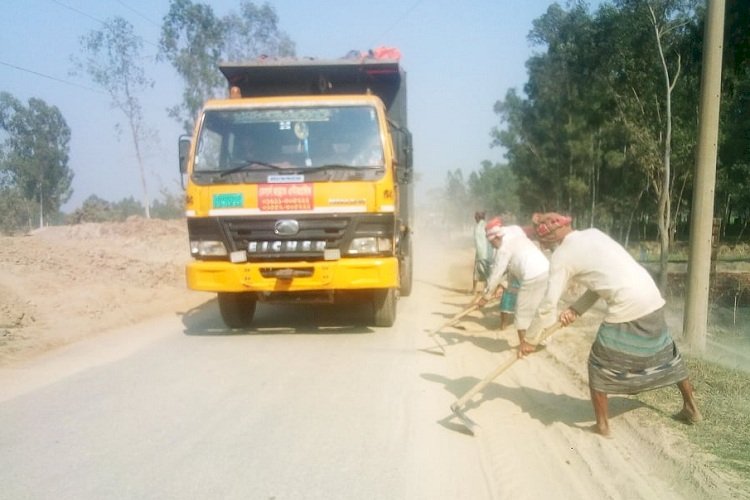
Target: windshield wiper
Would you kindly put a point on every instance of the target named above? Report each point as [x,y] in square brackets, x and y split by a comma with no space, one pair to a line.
[340,166]
[250,164]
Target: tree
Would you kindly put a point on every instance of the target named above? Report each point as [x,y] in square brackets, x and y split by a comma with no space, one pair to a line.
[194,40]
[553,136]
[34,162]
[652,57]
[456,205]
[495,189]
[113,56]
[171,207]
[93,209]
[520,135]
[16,212]
[254,33]
[733,187]
[604,130]
[125,208]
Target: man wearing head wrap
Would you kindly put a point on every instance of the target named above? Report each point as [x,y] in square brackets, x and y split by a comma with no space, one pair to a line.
[482,252]
[517,255]
[633,351]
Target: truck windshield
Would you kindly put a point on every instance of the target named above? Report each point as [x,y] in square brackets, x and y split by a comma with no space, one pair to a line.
[297,139]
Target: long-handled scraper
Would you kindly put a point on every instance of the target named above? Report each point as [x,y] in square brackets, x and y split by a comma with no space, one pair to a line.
[455,319]
[581,306]
[457,407]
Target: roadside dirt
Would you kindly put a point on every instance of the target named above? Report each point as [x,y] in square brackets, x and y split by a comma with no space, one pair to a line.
[59,285]
[535,419]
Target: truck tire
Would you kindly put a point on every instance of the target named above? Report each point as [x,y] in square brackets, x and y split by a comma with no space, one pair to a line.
[384,306]
[406,274]
[237,309]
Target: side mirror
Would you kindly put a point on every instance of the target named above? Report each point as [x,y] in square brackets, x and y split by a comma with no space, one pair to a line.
[404,152]
[183,151]
[406,157]
[408,151]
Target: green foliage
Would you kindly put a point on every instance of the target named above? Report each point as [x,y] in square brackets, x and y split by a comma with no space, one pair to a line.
[733,187]
[125,208]
[111,60]
[34,175]
[456,209]
[17,214]
[589,136]
[171,206]
[606,126]
[194,40]
[494,188]
[553,137]
[95,209]
[254,32]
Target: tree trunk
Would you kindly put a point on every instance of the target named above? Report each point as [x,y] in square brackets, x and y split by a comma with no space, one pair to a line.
[594,178]
[141,168]
[665,208]
[742,232]
[41,208]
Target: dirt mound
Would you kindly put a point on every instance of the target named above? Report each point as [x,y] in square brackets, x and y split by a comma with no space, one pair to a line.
[134,226]
[59,284]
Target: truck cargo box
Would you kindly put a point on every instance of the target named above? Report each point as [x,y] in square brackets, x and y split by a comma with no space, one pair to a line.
[286,77]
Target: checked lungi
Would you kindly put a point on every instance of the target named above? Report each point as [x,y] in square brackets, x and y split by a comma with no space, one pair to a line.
[636,356]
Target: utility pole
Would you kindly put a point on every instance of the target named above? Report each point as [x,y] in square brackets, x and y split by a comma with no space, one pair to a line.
[701,214]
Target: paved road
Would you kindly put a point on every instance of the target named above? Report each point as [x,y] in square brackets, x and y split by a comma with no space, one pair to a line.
[307,405]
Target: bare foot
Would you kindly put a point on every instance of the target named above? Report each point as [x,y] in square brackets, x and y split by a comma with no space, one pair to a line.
[688,416]
[603,432]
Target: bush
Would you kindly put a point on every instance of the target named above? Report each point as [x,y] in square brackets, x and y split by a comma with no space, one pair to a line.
[17,214]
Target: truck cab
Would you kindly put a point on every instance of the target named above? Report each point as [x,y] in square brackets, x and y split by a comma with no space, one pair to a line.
[299,188]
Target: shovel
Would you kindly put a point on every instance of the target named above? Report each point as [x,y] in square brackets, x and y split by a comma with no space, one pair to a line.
[455,319]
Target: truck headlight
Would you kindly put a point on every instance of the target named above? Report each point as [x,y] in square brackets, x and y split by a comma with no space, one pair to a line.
[370,245]
[208,248]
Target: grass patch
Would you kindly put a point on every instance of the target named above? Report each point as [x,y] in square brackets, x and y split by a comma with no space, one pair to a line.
[722,394]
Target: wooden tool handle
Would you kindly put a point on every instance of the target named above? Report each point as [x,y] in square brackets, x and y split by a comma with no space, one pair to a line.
[504,366]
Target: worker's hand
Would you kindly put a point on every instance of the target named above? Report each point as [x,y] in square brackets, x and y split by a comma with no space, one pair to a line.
[524,349]
[481,302]
[568,316]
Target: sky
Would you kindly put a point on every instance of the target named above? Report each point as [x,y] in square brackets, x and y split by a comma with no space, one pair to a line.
[460,57]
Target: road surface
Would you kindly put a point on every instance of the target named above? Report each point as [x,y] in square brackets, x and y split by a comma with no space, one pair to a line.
[310,405]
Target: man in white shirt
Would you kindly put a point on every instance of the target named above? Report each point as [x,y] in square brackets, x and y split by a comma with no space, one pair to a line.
[517,255]
[633,351]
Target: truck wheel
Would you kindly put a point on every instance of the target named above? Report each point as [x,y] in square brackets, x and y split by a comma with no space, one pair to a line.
[384,306]
[406,272]
[237,309]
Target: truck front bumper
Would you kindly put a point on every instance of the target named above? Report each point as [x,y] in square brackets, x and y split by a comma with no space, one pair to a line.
[342,274]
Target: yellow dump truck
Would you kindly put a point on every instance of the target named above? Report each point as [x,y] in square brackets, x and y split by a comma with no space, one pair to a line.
[299,188]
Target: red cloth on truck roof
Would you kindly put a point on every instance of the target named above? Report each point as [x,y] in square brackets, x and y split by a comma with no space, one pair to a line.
[376,53]
[386,53]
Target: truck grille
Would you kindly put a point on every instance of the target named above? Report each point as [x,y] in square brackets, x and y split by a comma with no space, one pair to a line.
[315,234]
